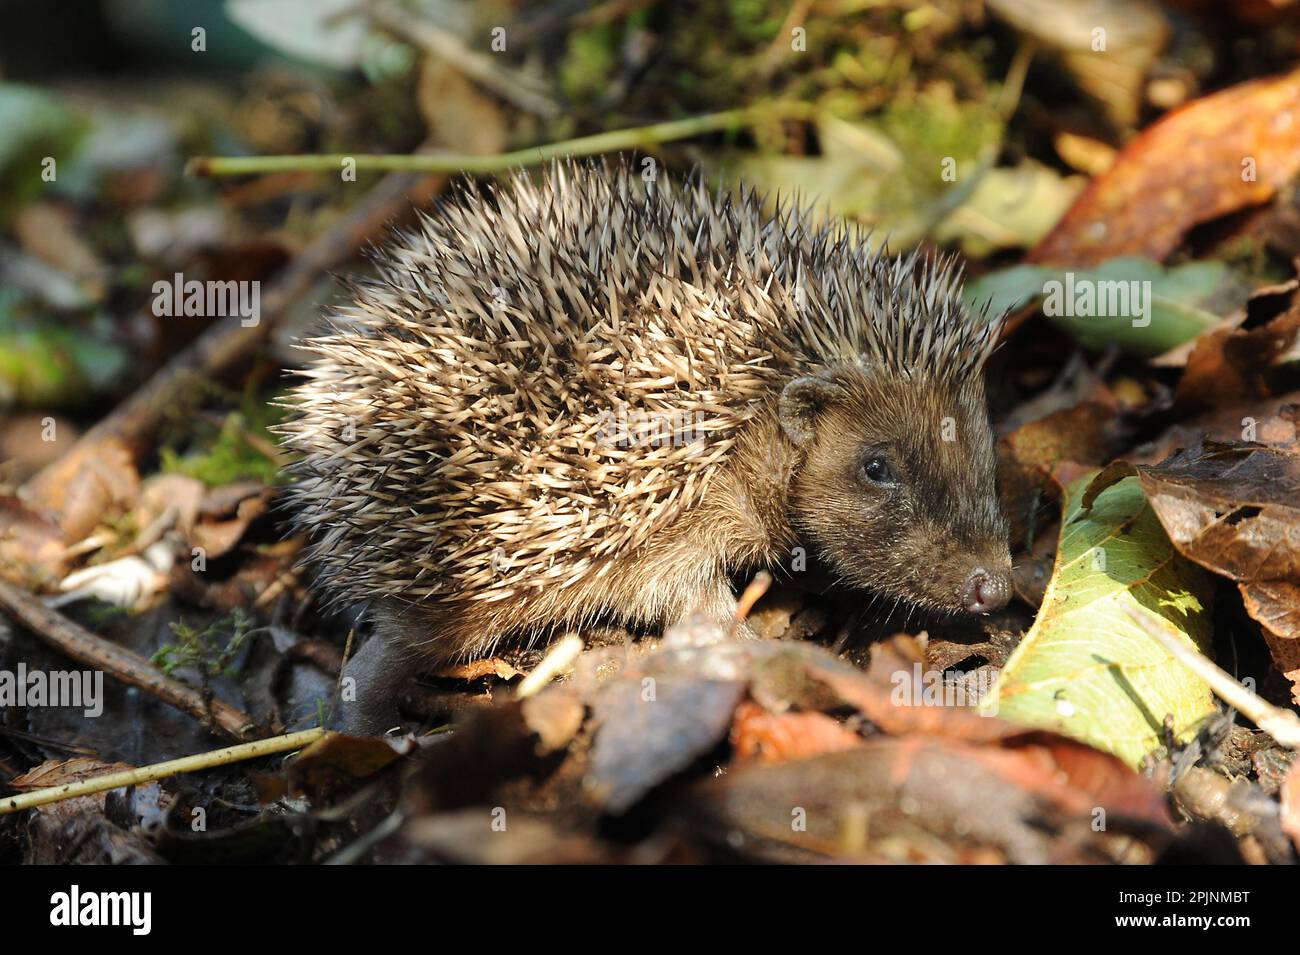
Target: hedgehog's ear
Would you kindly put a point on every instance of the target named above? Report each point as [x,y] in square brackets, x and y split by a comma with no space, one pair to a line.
[802,399]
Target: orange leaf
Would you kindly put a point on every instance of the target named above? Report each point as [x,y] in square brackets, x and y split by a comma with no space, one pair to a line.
[1224,152]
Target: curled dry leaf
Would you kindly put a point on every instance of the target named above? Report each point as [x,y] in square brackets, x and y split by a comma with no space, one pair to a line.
[167,501]
[1222,153]
[225,513]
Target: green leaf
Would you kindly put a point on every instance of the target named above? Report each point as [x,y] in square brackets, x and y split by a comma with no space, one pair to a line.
[886,173]
[1085,669]
[323,32]
[1174,303]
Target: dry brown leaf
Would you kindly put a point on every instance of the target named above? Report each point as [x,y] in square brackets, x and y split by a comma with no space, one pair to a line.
[51,234]
[777,737]
[1291,804]
[477,669]
[85,485]
[1031,458]
[63,772]
[225,513]
[555,715]
[1234,364]
[60,772]
[30,545]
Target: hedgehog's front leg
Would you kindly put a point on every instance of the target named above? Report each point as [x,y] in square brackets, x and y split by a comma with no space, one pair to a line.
[369,689]
[406,638]
[714,604]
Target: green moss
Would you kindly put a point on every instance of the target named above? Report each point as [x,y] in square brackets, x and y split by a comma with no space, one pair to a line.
[589,62]
[212,650]
[756,20]
[224,455]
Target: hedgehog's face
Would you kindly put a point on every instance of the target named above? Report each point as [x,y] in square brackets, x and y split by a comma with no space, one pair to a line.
[896,487]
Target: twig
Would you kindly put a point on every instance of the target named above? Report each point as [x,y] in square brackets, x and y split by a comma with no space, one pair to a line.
[1282,725]
[611,141]
[757,587]
[525,92]
[556,661]
[172,767]
[228,341]
[126,666]
[780,45]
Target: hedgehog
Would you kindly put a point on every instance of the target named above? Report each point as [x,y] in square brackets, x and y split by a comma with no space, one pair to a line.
[599,396]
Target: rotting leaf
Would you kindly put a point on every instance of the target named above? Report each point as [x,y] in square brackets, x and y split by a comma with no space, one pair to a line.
[1240,363]
[1084,669]
[1222,153]
[336,759]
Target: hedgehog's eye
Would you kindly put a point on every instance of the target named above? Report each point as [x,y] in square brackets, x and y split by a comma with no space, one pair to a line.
[876,469]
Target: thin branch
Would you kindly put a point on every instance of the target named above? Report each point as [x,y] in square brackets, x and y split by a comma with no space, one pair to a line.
[1282,725]
[172,767]
[612,141]
[124,665]
[558,659]
[523,91]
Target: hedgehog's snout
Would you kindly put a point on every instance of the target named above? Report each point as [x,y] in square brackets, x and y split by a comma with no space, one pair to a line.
[986,590]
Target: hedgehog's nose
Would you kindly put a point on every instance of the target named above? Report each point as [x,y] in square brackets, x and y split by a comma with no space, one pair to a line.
[986,591]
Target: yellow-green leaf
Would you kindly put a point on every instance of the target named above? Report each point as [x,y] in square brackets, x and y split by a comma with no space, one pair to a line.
[1084,669]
